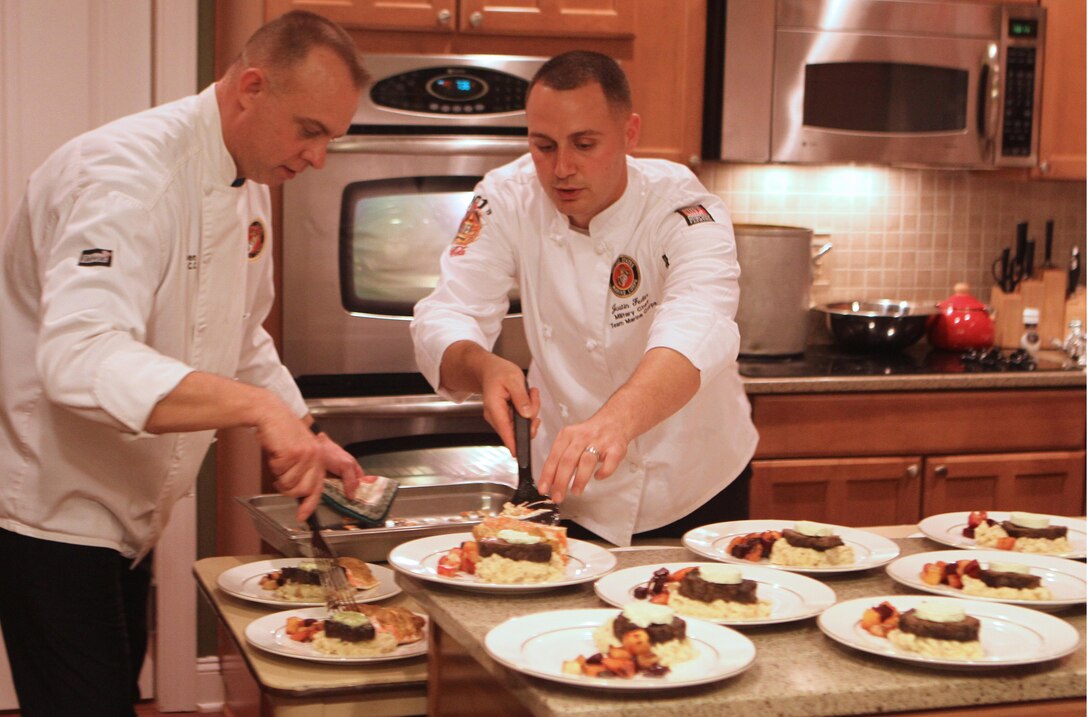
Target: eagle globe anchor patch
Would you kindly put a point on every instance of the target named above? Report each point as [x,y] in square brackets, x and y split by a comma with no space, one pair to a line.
[625,276]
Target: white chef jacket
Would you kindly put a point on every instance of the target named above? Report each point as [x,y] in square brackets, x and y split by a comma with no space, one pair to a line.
[131,262]
[658,268]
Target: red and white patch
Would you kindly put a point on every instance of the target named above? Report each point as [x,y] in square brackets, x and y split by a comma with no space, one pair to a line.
[256,236]
[695,214]
[625,276]
[471,226]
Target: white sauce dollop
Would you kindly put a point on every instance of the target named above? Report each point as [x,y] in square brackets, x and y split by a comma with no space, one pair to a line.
[517,536]
[645,614]
[720,574]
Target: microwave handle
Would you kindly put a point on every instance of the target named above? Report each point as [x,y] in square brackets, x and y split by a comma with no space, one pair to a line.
[430,145]
[989,86]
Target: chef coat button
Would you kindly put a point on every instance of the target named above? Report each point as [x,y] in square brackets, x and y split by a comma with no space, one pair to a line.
[547,331]
[633,467]
[563,411]
[600,248]
[591,345]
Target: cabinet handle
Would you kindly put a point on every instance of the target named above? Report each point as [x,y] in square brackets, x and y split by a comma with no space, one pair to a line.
[941,471]
[913,471]
[476,19]
[444,16]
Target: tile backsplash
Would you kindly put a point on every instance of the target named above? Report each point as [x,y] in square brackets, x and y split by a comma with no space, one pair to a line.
[903,234]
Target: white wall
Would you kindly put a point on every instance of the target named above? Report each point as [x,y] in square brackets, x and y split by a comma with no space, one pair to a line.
[67,66]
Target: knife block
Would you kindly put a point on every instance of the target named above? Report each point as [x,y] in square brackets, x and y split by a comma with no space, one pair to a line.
[1008,318]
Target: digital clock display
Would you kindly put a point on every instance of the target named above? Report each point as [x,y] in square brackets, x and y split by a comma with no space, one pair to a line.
[1019,27]
[457,88]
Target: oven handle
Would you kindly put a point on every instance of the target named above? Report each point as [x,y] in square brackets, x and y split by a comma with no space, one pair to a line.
[430,145]
[393,406]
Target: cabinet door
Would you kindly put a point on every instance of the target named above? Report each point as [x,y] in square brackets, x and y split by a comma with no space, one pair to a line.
[1036,482]
[567,18]
[1062,122]
[844,491]
[430,15]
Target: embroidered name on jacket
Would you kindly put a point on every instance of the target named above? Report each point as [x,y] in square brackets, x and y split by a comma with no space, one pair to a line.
[695,214]
[96,257]
[471,225]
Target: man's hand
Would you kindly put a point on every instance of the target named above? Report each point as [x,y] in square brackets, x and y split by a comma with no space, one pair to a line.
[295,457]
[340,463]
[571,463]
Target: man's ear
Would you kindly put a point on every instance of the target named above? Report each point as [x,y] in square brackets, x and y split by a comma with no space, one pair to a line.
[631,131]
[252,83]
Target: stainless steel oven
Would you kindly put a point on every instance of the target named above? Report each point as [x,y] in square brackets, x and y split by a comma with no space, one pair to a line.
[361,244]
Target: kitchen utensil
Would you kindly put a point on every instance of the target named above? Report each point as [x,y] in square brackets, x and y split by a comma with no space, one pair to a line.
[1048,247]
[962,322]
[775,288]
[1029,259]
[1074,270]
[1003,277]
[1021,245]
[369,505]
[339,595]
[526,492]
[881,325]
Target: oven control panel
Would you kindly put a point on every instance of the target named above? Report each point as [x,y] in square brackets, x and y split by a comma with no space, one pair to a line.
[451,91]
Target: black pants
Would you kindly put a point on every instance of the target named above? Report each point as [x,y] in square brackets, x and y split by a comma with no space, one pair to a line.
[730,504]
[74,620]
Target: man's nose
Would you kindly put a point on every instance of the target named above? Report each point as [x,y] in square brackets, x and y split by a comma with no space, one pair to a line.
[315,155]
[564,162]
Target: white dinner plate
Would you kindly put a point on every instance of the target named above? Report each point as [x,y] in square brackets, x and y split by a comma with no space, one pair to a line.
[792,597]
[1010,635]
[244,581]
[1064,578]
[947,529]
[269,633]
[538,644]
[712,541]
[419,558]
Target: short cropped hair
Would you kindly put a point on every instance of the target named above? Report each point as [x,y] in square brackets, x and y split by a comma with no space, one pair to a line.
[286,41]
[578,68]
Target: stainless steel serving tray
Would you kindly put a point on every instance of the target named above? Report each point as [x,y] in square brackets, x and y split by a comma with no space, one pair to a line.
[417,511]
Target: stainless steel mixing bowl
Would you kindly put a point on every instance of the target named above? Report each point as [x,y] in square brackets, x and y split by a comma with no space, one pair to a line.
[875,326]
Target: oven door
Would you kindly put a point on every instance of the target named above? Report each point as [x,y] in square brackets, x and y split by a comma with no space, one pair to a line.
[362,242]
[897,99]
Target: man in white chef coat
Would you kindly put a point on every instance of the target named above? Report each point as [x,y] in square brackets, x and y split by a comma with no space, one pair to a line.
[627,272]
[135,277]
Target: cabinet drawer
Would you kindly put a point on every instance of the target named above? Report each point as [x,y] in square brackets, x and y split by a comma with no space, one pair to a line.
[870,424]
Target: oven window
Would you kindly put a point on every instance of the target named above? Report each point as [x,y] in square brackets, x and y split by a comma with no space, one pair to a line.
[392,235]
[885,97]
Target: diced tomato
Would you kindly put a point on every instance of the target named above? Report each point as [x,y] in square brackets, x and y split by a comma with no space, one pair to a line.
[976,518]
[450,563]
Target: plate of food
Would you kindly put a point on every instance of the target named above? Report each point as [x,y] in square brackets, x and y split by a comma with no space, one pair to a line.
[948,632]
[369,634]
[801,545]
[503,554]
[297,581]
[1015,531]
[1037,581]
[726,594]
[641,647]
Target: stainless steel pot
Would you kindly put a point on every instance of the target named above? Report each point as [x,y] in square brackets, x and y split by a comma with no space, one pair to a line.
[775,286]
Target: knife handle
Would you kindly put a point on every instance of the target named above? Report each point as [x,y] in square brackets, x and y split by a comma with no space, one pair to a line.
[1048,248]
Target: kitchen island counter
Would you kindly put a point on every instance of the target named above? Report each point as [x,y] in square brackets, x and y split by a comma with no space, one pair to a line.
[797,670]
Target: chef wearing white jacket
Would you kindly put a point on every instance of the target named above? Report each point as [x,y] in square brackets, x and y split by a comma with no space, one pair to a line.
[135,277]
[627,274]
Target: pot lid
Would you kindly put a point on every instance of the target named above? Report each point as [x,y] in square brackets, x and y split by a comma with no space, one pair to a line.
[962,300]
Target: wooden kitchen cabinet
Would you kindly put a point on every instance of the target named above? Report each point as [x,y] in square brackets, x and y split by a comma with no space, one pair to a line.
[1051,482]
[885,458]
[564,18]
[659,43]
[1062,152]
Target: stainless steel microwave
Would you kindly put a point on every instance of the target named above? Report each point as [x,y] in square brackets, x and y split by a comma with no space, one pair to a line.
[899,82]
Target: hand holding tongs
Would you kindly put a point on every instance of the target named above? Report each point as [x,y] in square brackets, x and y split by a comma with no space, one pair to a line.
[526,492]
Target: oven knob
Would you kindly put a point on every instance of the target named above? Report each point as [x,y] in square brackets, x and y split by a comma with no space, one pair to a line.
[444,16]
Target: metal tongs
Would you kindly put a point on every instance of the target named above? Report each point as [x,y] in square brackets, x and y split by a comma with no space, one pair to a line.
[339,595]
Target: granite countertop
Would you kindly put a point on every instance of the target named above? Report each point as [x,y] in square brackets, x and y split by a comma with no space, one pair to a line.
[797,671]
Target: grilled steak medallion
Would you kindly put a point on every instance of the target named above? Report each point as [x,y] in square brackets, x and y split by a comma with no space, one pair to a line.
[676,630]
[1019,581]
[299,576]
[965,630]
[693,586]
[530,552]
[821,542]
[349,633]
[1051,532]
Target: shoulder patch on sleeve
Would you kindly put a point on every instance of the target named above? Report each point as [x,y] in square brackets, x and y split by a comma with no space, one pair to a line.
[695,214]
[471,225]
[96,257]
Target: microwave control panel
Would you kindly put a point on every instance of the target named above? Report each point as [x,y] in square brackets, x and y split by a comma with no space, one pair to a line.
[1021,68]
[451,91]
